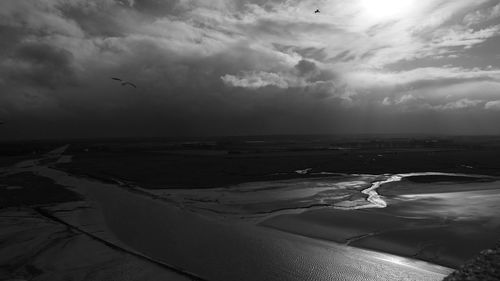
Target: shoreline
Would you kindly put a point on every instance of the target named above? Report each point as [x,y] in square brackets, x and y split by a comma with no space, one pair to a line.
[134,218]
[374,198]
[180,250]
[393,228]
[353,240]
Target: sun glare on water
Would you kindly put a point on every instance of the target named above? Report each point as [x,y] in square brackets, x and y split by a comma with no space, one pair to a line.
[387,9]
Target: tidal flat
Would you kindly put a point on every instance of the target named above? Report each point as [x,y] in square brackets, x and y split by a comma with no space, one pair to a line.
[273,219]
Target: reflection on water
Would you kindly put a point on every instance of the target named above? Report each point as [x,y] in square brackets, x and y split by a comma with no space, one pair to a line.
[464,205]
[274,197]
[439,217]
[218,250]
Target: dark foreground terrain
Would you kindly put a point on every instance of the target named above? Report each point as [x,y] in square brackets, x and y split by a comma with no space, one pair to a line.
[484,267]
[223,162]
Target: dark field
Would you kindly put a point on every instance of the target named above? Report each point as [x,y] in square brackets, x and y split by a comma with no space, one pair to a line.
[223,162]
[25,189]
[433,184]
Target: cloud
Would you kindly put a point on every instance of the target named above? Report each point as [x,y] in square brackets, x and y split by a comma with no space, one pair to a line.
[37,17]
[492,105]
[39,65]
[411,103]
[387,101]
[305,74]
[196,62]
[459,104]
[406,99]
[421,77]
[256,80]
[479,16]
[461,36]
[307,69]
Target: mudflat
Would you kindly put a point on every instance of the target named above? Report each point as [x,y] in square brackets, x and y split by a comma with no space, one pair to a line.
[209,163]
[284,193]
[445,223]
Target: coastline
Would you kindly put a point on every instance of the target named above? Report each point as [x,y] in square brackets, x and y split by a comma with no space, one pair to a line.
[143,223]
[407,228]
[364,223]
[133,219]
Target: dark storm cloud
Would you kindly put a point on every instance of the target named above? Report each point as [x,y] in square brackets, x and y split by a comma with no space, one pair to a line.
[156,7]
[288,27]
[99,20]
[343,56]
[41,65]
[306,68]
[242,67]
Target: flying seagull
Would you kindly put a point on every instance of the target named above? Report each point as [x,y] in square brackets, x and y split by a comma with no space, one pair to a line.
[124,83]
[317,11]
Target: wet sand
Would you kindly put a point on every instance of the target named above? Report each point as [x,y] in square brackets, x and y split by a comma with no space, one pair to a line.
[220,250]
[445,223]
[430,218]
[38,249]
[25,188]
[215,247]
[438,184]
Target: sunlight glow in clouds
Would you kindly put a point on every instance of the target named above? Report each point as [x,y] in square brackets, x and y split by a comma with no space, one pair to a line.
[387,9]
[250,66]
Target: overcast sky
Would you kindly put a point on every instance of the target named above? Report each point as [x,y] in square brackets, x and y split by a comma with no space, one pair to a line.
[233,67]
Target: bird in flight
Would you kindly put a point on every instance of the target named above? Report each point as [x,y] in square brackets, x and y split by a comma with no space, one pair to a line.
[317,11]
[124,83]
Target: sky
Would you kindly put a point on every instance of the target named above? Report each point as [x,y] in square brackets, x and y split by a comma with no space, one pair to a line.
[248,67]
